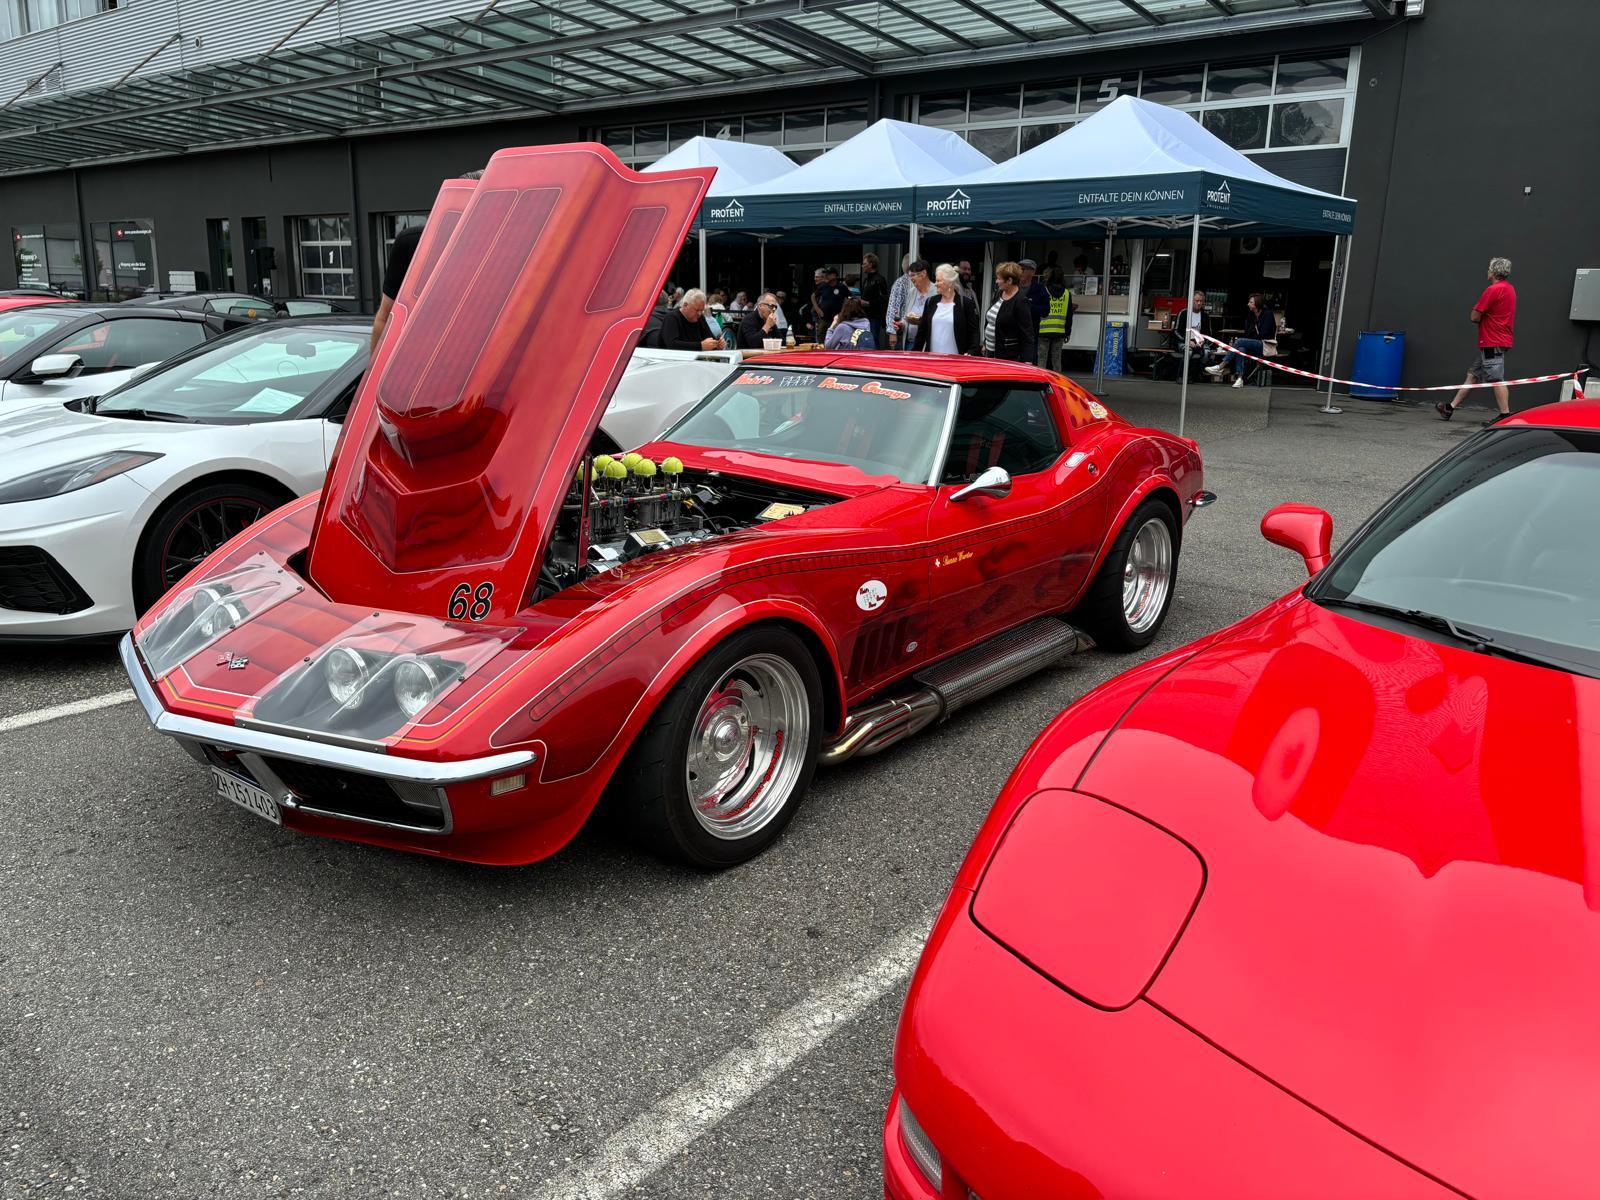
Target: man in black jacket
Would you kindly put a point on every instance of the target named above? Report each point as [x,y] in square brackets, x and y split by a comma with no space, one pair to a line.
[759,324]
[875,295]
[686,327]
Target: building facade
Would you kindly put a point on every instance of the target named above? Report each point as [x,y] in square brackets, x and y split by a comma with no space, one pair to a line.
[282,145]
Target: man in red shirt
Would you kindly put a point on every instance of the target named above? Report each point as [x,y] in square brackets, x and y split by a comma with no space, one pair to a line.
[1494,314]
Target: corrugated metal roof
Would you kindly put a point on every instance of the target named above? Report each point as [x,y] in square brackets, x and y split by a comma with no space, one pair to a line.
[165,76]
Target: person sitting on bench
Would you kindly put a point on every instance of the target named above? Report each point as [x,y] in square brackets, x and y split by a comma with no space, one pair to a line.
[1261,329]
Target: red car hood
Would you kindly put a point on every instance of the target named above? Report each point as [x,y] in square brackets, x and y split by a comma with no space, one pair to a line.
[488,386]
[1398,923]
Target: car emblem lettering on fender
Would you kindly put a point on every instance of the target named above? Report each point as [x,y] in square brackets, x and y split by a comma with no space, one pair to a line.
[871,595]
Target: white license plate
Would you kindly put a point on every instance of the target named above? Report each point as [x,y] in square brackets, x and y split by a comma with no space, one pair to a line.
[247,795]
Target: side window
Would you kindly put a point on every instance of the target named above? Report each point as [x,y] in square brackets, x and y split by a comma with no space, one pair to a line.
[1005,425]
[340,408]
[118,345]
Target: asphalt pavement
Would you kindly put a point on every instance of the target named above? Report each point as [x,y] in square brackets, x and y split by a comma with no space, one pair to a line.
[194,1003]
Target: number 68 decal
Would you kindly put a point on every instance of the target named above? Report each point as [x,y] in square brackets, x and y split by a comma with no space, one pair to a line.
[469,603]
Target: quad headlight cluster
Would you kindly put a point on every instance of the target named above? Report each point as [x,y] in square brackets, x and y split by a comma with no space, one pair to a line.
[352,676]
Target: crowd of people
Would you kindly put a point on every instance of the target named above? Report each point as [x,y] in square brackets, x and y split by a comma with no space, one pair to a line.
[927,308]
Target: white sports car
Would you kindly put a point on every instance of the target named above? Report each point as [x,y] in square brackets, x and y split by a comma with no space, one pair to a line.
[102,511]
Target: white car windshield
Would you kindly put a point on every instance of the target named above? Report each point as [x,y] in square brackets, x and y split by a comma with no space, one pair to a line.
[28,325]
[265,374]
[880,424]
[1497,546]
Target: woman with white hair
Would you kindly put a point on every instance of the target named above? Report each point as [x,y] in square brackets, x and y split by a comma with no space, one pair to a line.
[949,322]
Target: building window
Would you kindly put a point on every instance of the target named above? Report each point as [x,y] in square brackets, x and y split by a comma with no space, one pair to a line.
[324,256]
[124,258]
[391,226]
[219,240]
[18,17]
[49,256]
[1273,104]
[802,134]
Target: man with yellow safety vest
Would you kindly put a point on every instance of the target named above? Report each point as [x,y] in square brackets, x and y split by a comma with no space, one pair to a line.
[1056,324]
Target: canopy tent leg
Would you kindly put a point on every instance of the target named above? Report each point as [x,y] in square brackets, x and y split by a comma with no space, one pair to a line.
[704,286]
[916,239]
[1105,303]
[1341,263]
[1194,267]
[761,264]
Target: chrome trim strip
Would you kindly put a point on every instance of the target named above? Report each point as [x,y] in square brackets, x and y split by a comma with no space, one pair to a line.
[365,762]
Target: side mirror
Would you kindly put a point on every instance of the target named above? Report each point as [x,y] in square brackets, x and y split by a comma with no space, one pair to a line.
[1306,530]
[142,370]
[56,366]
[993,482]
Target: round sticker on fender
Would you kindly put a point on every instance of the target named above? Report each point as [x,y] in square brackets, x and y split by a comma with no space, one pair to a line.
[871,595]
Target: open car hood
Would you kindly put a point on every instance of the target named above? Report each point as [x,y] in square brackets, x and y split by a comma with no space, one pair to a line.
[492,377]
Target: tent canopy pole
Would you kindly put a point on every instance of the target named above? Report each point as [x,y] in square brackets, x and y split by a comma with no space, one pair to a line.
[1105,303]
[1341,265]
[703,284]
[916,238]
[1194,266]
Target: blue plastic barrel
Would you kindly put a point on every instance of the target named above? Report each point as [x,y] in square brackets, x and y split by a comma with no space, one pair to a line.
[1379,356]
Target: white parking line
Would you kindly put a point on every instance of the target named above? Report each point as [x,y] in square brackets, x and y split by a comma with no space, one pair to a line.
[71,709]
[648,1143]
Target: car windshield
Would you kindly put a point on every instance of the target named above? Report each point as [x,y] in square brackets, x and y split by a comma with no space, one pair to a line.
[28,325]
[1500,540]
[263,375]
[880,425]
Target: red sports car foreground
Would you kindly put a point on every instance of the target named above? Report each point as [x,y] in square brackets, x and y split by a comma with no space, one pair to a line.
[478,629]
[1304,908]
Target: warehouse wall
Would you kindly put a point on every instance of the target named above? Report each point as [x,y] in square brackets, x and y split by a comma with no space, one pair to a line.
[1459,112]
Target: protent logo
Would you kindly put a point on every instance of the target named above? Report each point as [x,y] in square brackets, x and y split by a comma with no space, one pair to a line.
[956,202]
[1220,195]
[731,211]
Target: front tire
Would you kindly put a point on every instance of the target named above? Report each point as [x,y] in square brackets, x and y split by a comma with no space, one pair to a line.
[1127,603]
[189,528]
[719,771]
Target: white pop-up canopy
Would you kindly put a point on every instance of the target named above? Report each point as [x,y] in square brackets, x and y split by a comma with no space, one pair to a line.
[868,181]
[739,165]
[1137,167]
[1136,163]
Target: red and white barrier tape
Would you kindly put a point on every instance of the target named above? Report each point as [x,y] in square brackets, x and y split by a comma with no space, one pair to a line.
[1440,387]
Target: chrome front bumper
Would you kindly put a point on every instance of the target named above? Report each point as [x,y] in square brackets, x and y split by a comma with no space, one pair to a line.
[278,745]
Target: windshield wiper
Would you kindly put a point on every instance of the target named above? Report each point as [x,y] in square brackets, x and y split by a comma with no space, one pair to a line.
[143,414]
[1482,643]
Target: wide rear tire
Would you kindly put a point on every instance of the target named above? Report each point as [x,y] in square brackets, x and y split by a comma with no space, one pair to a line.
[720,769]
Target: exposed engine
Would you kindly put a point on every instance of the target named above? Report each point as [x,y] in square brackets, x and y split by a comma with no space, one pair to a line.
[637,506]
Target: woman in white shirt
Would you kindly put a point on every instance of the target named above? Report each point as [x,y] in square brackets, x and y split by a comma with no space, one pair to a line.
[949,323]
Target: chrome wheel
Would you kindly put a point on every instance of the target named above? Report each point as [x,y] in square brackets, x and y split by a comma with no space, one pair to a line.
[747,746]
[1147,575]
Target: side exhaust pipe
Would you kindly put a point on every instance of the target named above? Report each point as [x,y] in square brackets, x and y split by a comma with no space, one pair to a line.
[953,684]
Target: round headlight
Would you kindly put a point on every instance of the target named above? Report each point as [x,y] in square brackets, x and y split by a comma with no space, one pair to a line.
[415,685]
[346,673]
[213,614]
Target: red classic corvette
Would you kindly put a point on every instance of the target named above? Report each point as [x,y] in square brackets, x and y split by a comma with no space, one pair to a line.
[478,629]
[1304,908]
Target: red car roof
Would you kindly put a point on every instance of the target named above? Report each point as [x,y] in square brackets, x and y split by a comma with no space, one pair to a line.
[956,368]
